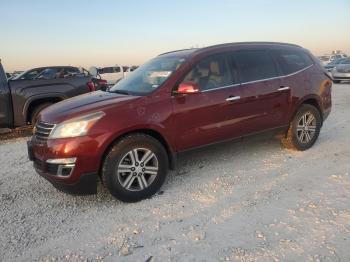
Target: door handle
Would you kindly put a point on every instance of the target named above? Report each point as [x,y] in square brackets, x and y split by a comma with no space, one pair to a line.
[283,88]
[233,98]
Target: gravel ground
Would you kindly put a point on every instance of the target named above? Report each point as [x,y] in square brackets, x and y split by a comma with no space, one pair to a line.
[243,201]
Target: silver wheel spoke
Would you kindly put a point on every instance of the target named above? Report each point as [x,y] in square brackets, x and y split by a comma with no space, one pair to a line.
[307,136]
[304,120]
[132,157]
[124,168]
[300,128]
[151,170]
[310,119]
[129,179]
[312,128]
[301,136]
[147,157]
[144,181]
[136,156]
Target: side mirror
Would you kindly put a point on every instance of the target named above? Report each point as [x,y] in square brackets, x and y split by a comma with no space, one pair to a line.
[188,88]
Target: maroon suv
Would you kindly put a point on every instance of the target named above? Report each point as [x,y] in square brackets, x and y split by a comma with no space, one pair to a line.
[130,135]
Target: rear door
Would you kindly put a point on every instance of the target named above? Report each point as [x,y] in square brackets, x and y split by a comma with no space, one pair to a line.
[6,118]
[264,98]
[213,114]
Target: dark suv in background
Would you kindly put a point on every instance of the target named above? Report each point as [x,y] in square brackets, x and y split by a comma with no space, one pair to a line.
[129,136]
[22,97]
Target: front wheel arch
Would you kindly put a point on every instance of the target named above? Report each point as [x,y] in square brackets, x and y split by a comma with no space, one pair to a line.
[171,154]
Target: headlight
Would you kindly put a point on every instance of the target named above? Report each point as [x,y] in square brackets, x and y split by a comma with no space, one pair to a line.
[76,127]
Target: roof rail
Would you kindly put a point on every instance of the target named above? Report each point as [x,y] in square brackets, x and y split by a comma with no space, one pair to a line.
[177,51]
[248,43]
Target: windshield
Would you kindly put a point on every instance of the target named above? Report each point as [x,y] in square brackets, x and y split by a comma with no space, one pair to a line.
[28,75]
[148,77]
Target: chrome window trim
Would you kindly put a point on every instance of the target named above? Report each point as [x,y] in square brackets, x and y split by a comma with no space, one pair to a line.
[261,80]
[281,76]
[221,87]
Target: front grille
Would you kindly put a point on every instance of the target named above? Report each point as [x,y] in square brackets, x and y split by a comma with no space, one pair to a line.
[42,130]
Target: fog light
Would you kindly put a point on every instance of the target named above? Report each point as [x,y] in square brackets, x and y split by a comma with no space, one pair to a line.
[65,170]
[63,161]
[62,167]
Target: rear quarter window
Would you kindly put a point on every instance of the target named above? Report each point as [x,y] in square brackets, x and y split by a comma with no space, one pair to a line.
[291,61]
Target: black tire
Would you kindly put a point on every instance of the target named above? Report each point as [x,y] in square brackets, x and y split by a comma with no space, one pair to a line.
[36,112]
[292,139]
[336,81]
[111,177]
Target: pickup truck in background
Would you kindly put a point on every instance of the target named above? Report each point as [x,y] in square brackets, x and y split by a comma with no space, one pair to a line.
[24,96]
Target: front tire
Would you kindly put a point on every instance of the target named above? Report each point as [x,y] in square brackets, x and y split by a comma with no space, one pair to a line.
[135,168]
[304,129]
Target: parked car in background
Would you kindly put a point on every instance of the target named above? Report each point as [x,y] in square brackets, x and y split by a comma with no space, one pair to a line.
[112,74]
[326,59]
[16,73]
[8,75]
[24,96]
[341,71]
[129,136]
[335,62]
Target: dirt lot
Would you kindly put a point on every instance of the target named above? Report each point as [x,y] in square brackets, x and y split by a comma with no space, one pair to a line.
[245,201]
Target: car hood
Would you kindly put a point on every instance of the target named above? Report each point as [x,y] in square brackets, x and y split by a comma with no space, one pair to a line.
[83,104]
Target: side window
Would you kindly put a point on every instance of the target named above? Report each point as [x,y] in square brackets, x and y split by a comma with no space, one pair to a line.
[255,65]
[31,74]
[291,61]
[48,74]
[70,72]
[211,72]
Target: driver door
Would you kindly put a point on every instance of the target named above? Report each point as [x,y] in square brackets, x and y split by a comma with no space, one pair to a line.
[213,114]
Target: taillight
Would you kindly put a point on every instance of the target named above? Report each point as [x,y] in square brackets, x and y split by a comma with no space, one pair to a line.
[102,82]
[91,86]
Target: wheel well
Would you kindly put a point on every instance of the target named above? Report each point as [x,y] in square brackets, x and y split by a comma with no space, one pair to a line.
[38,102]
[314,103]
[150,132]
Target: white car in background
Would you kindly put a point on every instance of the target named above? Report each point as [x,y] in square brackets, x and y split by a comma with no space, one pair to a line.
[341,72]
[326,59]
[112,74]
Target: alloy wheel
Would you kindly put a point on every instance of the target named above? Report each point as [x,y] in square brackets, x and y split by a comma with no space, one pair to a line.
[137,169]
[306,128]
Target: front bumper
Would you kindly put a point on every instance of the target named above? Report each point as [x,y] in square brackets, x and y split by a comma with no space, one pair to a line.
[83,176]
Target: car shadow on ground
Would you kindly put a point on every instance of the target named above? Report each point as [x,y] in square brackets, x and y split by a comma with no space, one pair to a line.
[230,153]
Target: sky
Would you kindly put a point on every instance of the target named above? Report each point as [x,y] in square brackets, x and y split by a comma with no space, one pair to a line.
[129,32]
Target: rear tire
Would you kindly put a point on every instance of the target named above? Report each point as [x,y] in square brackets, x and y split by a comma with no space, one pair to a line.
[304,129]
[135,168]
[36,112]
